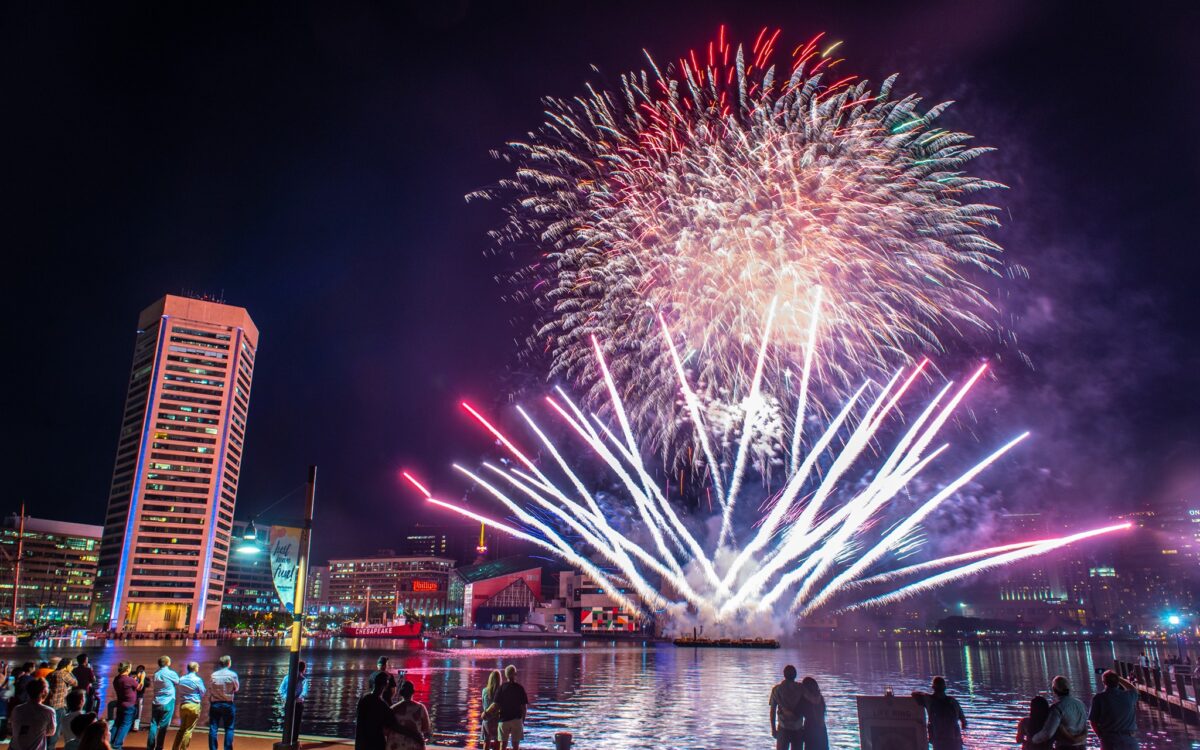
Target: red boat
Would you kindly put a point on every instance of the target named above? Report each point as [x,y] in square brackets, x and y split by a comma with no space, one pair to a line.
[398,628]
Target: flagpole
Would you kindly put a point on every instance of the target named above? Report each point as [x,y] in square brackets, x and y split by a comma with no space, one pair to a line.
[17,564]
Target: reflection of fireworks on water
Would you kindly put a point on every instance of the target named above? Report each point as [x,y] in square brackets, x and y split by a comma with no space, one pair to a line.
[819,546]
[702,190]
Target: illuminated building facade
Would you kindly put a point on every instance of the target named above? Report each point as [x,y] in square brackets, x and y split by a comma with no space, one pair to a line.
[1159,566]
[165,551]
[317,600]
[427,541]
[501,593]
[592,608]
[1128,588]
[58,570]
[526,591]
[1042,592]
[418,586]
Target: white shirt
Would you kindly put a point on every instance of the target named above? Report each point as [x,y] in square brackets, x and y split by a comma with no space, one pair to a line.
[222,685]
[31,723]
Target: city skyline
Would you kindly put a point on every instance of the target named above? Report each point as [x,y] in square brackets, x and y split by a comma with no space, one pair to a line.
[356,251]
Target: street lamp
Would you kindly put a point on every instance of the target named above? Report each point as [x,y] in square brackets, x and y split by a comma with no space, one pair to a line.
[1175,621]
[249,545]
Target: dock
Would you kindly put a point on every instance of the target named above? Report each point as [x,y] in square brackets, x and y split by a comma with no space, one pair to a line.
[1173,691]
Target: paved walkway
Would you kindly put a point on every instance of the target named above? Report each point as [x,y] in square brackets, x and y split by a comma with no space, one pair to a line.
[247,740]
[250,740]
[265,741]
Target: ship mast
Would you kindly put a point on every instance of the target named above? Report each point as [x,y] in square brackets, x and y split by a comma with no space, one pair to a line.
[17,563]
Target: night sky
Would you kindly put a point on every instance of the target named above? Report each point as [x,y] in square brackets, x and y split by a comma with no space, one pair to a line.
[310,165]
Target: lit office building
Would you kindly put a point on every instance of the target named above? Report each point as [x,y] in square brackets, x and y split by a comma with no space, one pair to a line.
[593,609]
[57,572]
[427,541]
[422,587]
[317,600]
[1044,592]
[166,544]
[1160,563]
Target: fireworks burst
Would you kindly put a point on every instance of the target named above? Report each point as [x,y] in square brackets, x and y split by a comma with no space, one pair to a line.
[821,543]
[698,192]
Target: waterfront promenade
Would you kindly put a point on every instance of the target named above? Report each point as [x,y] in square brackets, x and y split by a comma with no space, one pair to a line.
[249,740]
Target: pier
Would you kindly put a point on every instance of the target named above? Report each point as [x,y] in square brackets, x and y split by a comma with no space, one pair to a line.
[1173,691]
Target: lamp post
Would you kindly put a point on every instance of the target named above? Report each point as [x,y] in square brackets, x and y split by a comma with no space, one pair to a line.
[291,732]
[1175,621]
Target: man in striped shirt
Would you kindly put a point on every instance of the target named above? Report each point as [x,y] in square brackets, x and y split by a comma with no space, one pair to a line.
[60,682]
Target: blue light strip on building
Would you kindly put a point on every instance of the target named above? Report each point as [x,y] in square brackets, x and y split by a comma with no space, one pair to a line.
[117,606]
[234,364]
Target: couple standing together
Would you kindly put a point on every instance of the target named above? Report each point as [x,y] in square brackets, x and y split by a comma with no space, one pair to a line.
[504,707]
[798,714]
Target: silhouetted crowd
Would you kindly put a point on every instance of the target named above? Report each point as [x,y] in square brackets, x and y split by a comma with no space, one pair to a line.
[797,716]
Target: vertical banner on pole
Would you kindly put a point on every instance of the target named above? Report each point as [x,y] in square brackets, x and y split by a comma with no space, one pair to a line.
[285,554]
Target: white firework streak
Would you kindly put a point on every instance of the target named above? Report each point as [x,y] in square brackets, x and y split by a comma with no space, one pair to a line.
[823,551]
[942,562]
[941,579]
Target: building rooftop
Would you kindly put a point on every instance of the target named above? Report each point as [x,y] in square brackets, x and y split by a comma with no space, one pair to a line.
[507,566]
[187,308]
[59,528]
[388,555]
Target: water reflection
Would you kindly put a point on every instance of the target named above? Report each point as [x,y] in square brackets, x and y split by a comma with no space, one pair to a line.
[630,696]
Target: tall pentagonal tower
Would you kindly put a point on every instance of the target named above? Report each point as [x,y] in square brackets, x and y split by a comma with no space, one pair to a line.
[166,544]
